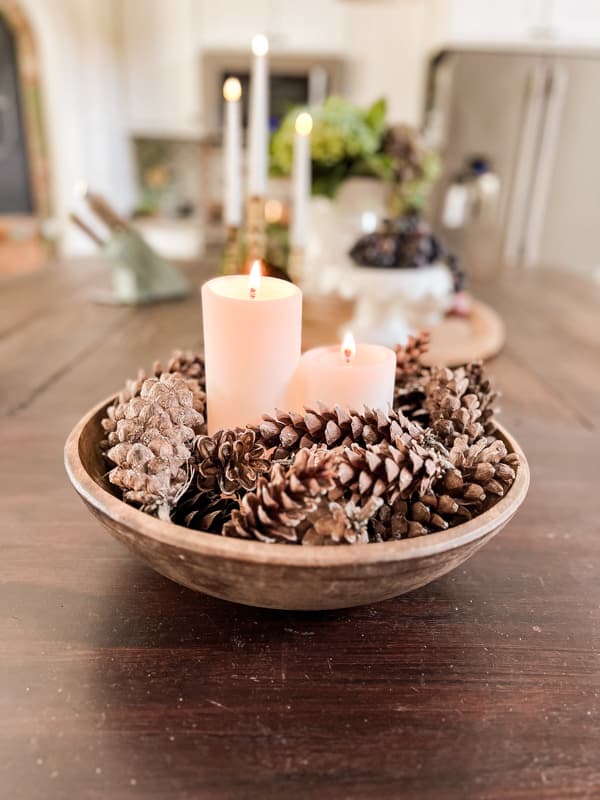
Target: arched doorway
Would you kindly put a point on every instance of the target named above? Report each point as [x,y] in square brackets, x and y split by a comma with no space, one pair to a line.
[25,185]
[15,187]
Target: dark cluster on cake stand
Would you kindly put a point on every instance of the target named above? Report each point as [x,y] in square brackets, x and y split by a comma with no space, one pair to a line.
[405,243]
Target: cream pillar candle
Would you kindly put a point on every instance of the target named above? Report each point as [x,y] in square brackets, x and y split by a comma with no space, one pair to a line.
[258,118]
[301,179]
[352,376]
[232,154]
[252,338]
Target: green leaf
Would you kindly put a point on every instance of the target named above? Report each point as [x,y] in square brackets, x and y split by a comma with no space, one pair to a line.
[381,165]
[375,116]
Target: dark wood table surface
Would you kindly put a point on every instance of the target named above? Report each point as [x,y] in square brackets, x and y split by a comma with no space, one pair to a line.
[117,683]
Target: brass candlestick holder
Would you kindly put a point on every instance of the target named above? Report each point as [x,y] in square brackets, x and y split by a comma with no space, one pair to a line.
[256,242]
[231,257]
[296,265]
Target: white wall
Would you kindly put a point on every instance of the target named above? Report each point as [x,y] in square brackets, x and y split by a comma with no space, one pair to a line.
[84,114]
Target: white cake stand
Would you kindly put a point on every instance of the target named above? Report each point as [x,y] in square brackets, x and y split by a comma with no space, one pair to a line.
[393,303]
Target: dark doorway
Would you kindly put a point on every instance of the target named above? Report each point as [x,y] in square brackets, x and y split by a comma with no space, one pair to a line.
[15,189]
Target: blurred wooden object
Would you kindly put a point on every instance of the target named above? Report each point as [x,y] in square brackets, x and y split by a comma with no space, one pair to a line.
[140,275]
[85,228]
[455,340]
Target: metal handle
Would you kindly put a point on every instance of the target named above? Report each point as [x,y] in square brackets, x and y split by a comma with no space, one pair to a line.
[556,89]
[516,225]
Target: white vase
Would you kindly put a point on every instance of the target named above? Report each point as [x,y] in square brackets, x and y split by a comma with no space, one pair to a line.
[361,205]
[335,225]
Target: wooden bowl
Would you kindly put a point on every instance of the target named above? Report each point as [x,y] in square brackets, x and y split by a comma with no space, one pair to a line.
[278,575]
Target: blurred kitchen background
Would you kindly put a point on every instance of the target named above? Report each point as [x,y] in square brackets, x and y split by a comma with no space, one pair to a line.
[124,96]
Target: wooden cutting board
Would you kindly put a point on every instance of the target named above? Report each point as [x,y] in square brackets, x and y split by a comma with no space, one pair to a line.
[455,340]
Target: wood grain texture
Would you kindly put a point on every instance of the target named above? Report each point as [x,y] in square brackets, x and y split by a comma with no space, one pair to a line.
[119,683]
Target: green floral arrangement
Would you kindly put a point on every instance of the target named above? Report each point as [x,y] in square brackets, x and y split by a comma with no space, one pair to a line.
[347,141]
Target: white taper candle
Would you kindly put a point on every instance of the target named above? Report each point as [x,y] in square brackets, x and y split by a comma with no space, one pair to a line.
[301,181]
[232,153]
[258,135]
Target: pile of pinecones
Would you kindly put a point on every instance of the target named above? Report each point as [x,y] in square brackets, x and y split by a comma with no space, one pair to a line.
[324,476]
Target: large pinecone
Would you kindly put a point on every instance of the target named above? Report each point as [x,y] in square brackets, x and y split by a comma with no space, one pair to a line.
[195,383]
[150,443]
[277,510]
[288,432]
[484,472]
[390,471]
[229,461]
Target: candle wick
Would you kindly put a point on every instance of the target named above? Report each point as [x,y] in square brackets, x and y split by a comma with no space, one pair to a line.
[348,356]
[252,293]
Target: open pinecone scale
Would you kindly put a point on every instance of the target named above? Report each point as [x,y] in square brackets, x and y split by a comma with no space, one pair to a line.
[326,476]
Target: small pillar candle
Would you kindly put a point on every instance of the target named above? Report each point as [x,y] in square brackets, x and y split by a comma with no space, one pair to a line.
[352,376]
[252,338]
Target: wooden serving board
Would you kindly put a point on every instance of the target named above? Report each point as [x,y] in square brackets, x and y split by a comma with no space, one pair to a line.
[455,340]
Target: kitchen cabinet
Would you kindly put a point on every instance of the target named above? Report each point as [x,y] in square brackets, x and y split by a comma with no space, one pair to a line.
[568,21]
[160,64]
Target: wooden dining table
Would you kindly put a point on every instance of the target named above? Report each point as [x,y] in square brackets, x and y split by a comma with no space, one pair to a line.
[117,683]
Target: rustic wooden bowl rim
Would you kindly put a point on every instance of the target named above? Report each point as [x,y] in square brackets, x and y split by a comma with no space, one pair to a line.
[209,544]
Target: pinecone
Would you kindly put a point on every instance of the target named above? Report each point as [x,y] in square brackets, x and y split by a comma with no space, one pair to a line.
[390,471]
[229,461]
[203,511]
[483,472]
[409,355]
[150,444]
[333,523]
[188,364]
[116,410]
[481,386]
[278,509]
[288,432]
[411,376]
[453,411]
[404,519]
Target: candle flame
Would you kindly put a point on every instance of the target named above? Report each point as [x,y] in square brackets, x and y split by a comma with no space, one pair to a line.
[254,279]
[232,90]
[348,347]
[260,45]
[304,123]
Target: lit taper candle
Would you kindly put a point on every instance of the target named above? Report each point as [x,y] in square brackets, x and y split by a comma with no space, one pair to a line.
[258,135]
[232,153]
[252,337]
[301,180]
